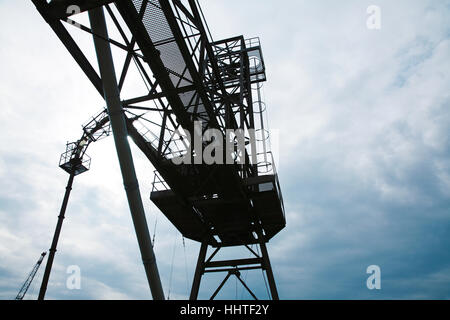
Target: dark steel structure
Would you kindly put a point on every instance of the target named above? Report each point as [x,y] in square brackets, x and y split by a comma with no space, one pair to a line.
[188,78]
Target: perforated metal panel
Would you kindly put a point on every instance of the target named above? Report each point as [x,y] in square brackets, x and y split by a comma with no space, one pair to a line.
[162,37]
[159,31]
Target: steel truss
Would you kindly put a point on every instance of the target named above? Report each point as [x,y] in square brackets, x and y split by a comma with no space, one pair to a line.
[233,267]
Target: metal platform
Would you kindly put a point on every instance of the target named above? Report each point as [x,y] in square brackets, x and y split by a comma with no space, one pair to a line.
[230,222]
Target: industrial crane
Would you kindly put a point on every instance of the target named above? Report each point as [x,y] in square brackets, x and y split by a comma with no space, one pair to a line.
[194,86]
[27,283]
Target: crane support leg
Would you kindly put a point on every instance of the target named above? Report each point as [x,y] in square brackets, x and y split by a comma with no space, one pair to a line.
[199,271]
[119,129]
[233,267]
[268,268]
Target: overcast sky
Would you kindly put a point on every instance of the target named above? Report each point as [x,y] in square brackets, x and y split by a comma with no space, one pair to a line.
[364,157]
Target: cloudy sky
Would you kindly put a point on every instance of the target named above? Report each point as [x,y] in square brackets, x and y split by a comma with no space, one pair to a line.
[364,157]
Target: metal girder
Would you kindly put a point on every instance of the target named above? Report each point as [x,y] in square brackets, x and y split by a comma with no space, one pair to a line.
[70,44]
[237,273]
[233,263]
[158,95]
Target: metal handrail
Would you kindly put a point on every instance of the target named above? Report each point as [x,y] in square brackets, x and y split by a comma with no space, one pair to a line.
[158,180]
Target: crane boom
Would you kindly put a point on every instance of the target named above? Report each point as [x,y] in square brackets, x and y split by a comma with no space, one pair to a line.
[30,278]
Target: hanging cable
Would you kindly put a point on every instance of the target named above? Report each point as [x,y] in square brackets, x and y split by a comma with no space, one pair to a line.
[171,267]
[245,276]
[140,73]
[236,288]
[185,266]
[154,230]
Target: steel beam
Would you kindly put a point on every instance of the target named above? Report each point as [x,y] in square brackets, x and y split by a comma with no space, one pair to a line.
[119,129]
[233,263]
[220,286]
[267,267]
[238,275]
[70,44]
[199,271]
[232,269]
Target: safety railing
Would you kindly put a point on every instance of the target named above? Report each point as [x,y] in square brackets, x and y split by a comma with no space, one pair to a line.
[158,183]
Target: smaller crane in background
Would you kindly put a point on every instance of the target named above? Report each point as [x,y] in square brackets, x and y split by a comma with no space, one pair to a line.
[30,278]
